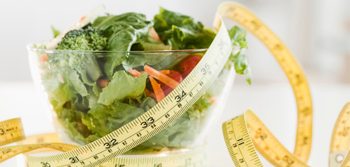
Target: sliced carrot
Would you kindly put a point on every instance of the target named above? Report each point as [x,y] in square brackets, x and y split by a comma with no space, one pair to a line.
[134,73]
[157,89]
[173,75]
[43,58]
[161,77]
[166,72]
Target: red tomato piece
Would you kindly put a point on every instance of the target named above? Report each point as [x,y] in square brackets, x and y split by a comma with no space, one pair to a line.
[172,74]
[188,64]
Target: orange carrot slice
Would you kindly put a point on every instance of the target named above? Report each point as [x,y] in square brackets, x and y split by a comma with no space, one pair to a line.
[161,77]
[157,89]
[43,58]
[166,72]
[134,73]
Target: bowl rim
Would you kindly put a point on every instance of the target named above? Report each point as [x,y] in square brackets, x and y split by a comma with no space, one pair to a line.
[32,48]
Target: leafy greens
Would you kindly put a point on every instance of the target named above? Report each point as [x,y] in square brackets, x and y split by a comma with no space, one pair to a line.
[93,93]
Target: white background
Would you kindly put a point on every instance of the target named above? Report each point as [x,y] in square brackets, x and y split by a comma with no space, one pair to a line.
[317,31]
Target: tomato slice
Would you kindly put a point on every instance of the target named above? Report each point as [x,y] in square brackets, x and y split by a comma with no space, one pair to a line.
[102,83]
[188,64]
[172,74]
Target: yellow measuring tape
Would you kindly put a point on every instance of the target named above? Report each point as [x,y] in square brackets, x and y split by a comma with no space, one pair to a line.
[180,158]
[10,131]
[264,141]
[243,135]
[340,143]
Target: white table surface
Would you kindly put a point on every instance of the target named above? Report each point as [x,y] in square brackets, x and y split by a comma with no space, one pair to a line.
[273,103]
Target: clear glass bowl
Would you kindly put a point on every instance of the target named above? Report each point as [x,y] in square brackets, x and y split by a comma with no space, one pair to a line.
[73,82]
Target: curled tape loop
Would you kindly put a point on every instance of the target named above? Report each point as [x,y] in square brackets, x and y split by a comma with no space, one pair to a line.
[264,141]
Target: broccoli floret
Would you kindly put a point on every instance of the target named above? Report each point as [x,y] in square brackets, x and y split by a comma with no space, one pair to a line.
[86,38]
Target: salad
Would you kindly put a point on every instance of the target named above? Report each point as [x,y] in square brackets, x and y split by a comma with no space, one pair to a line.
[102,75]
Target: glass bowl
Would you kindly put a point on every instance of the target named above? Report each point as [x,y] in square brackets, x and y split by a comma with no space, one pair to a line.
[85,107]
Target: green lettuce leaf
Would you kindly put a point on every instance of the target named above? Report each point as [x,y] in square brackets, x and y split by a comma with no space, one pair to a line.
[70,80]
[71,120]
[87,67]
[59,95]
[181,31]
[239,59]
[101,119]
[73,79]
[122,85]
[122,32]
